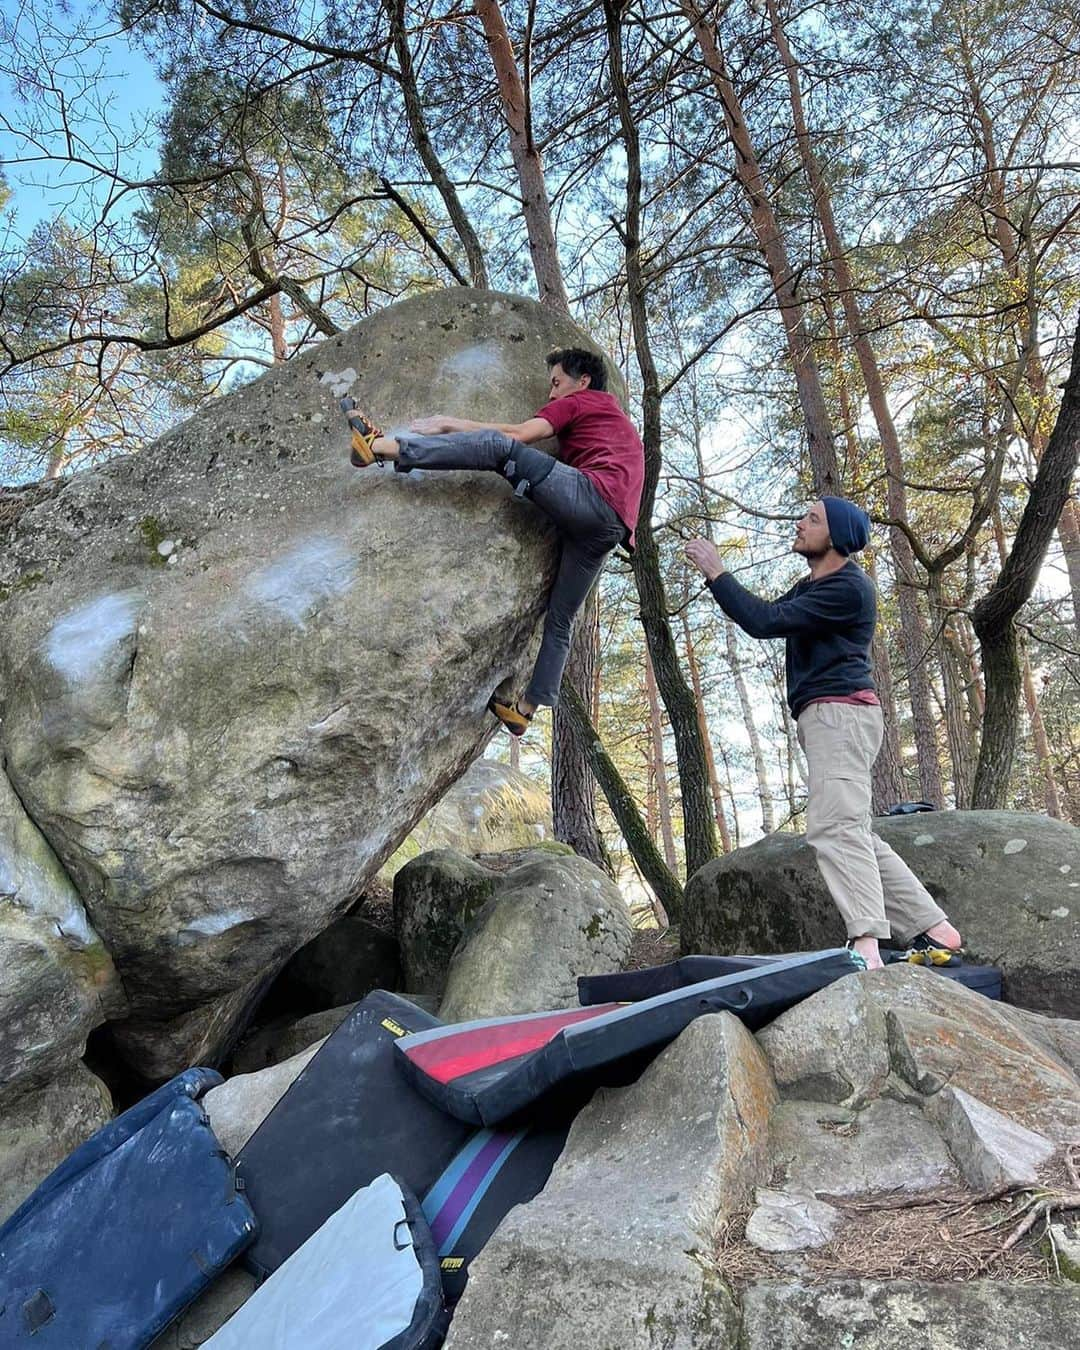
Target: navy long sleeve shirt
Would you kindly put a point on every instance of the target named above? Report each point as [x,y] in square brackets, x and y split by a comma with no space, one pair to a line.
[828,626]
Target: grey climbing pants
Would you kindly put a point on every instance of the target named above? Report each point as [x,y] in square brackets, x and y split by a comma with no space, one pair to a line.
[588,528]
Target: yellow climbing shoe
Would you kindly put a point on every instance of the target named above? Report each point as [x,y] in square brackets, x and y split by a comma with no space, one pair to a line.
[510,715]
[364,434]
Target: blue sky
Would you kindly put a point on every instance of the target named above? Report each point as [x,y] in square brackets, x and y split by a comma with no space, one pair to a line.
[113,96]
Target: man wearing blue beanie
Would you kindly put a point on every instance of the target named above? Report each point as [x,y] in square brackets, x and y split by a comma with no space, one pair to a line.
[827,621]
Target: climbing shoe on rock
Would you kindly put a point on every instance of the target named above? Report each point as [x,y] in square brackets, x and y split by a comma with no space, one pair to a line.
[364,434]
[510,715]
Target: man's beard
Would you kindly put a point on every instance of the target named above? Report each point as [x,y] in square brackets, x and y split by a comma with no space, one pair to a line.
[811,555]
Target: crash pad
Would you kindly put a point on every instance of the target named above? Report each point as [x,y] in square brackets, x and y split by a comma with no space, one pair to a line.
[485,1071]
[367,1279]
[109,1257]
[349,1116]
[494,1171]
[629,986]
[191,1083]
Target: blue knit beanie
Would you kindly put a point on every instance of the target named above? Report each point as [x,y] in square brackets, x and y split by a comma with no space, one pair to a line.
[849,525]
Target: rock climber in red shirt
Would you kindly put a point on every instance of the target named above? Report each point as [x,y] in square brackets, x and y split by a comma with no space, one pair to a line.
[592,492]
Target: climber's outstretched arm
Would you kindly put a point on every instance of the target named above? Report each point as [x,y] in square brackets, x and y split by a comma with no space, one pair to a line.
[534,429]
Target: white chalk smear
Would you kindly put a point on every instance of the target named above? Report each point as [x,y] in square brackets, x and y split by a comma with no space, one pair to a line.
[211,924]
[296,584]
[340,381]
[78,644]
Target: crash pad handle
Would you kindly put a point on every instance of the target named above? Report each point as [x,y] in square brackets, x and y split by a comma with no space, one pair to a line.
[402,1246]
[727,1002]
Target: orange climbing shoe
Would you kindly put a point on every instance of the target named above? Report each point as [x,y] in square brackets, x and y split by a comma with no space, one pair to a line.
[510,715]
[364,434]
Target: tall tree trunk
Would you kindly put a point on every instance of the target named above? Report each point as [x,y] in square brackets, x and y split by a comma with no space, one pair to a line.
[706,741]
[644,852]
[421,139]
[993,616]
[770,240]
[954,701]
[1040,741]
[573,802]
[911,624]
[768,820]
[663,797]
[535,204]
[699,833]
[887,776]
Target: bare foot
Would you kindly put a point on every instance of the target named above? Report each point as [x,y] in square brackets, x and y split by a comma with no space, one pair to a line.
[946,935]
[867,947]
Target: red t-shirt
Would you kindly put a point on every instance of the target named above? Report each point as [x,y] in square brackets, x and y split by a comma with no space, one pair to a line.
[597,438]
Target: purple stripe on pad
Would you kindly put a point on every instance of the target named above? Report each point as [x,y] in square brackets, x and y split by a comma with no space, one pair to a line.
[462,1193]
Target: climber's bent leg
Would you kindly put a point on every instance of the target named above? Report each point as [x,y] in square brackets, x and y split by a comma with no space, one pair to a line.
[490,450]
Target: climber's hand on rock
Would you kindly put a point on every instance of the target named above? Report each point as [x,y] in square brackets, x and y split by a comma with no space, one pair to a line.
[436,426]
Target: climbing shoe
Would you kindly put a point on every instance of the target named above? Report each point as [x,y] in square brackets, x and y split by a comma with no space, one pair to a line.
[931,956]
[510,715]
[924,951]
[364,434]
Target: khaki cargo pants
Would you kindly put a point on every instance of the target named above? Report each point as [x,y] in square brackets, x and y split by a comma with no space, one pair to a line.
[875,891]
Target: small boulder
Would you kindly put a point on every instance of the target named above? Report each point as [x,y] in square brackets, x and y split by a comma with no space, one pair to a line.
[239,1106]
[551,918]
[990,1148]
[436,897]
[1010,882]
[825,1150]
[943,1034]
[789,1221]
[42,1126]
[832,1047]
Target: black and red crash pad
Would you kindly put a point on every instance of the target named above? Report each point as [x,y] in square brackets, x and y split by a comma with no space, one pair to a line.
[629,986]
[494,1171]
[486,1071]
[349,1116]
[112,1254]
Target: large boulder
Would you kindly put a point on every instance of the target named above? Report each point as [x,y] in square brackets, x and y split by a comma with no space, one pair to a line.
[235,672]
[550,918]
[57,981]
[1008,880]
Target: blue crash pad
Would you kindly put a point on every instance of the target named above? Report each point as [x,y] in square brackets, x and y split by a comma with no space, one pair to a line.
[106,1258]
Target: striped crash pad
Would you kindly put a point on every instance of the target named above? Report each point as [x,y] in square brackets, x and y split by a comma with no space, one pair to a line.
[367,1279]
[493,1172]
[349,1116]
[628,986]
[486,1071]
[108,1257]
